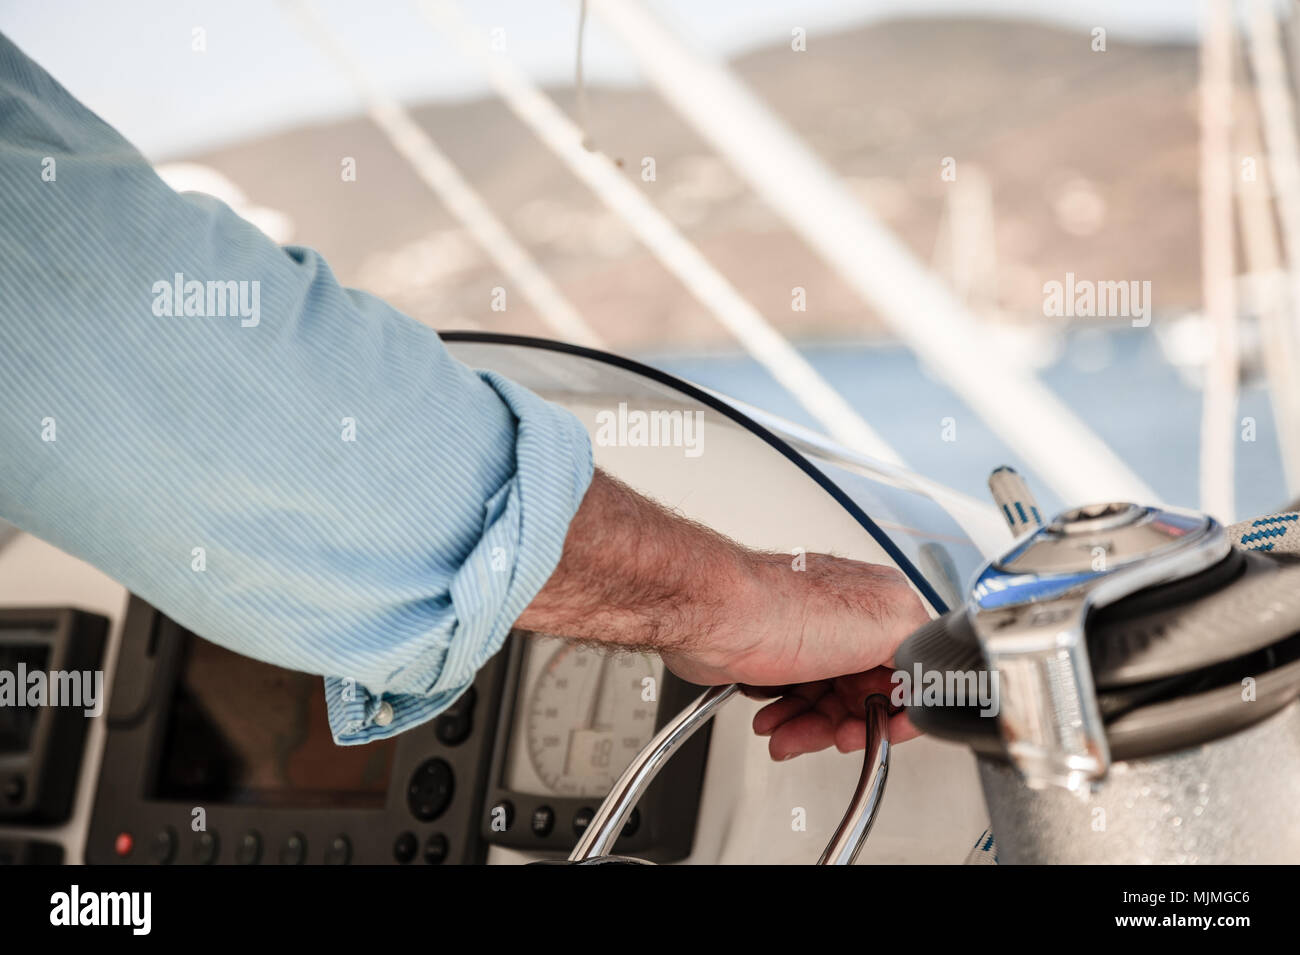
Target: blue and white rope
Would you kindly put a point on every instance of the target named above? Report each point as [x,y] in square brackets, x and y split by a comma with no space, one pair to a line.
[985,850]
[1279,533]
[1014,500]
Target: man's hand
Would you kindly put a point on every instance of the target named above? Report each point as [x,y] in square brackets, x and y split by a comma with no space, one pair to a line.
[635,575]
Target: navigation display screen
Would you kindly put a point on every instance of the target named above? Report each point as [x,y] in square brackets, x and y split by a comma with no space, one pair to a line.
[245,732]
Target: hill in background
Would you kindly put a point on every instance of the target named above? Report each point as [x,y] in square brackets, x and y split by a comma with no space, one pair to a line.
[1091,160]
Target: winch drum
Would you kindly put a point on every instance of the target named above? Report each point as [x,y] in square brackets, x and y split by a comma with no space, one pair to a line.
[1233,800]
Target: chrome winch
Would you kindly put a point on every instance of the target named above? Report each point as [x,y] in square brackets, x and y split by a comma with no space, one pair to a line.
[1147,674]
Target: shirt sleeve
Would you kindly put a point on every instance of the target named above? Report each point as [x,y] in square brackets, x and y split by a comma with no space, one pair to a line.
[288,468]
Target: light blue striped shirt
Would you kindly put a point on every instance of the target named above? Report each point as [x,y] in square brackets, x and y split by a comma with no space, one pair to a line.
[285,466]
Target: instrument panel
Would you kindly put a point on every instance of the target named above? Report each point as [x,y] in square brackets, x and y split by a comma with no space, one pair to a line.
[212,757]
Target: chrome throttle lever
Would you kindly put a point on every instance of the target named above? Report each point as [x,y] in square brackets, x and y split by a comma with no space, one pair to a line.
[852,832]
[597,841]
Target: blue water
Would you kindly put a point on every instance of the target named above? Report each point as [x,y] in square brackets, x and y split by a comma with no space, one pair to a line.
[1117,381]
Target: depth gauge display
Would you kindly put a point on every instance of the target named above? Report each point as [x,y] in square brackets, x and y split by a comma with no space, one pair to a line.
[584,715]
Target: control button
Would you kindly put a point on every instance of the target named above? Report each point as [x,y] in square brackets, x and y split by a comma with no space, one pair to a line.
[339,851]
[123,844]
[14,789]
[436,849]
[385,714]
[249,850]
[633,823]
[502,816]
[294,850]
[582,819]
[163,849]
[405,848]
[455,724]
[543,820]
[205,848]
[453,729]
[430,790]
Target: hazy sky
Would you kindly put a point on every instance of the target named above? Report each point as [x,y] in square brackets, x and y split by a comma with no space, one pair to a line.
[132,62]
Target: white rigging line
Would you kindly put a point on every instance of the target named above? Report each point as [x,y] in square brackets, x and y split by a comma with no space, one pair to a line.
[579,83]
[1268,285]
[1219,396]
[917,307]
[438,173]
[660,236]
[1277,115]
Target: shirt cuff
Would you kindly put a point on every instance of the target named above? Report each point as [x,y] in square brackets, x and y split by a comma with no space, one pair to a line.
[525,523]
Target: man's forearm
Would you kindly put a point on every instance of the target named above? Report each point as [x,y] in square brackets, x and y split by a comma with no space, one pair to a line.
[634,574]
[637,575]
